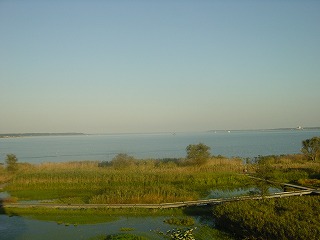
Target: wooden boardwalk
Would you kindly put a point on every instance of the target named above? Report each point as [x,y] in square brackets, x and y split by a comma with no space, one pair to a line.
[158,206]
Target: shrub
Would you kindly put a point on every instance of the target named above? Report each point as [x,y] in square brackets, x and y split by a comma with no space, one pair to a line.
[12,163]
[311,148]
[122,160]
[198,154]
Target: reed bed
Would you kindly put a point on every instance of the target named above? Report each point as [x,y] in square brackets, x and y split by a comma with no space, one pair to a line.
[86,182]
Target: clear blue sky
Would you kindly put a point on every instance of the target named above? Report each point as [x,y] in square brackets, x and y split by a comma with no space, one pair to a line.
[158,66]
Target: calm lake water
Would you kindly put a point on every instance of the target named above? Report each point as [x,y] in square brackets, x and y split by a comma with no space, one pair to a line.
[105,147]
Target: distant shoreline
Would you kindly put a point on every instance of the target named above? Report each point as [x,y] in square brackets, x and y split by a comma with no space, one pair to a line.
[17,135]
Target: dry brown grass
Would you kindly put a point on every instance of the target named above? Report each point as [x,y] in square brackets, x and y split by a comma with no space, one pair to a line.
[82,165]
[226,164]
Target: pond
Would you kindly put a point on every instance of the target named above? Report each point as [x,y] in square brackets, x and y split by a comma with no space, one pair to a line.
[23,228]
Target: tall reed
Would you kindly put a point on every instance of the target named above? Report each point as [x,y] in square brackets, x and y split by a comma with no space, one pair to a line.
[142,183]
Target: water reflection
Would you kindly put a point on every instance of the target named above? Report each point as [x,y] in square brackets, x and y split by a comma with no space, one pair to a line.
[257,190]
[12,227]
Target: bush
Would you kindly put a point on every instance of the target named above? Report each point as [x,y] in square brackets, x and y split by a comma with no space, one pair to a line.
[104,164]
[198,154]
[122,160]
[311,148]
[12,163]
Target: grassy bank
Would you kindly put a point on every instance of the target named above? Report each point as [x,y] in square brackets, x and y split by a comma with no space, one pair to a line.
[89,216]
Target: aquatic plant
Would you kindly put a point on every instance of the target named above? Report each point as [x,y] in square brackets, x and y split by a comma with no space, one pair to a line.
[126,229]
[179,234]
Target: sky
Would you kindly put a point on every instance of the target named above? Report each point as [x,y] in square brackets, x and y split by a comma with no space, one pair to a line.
[127,66]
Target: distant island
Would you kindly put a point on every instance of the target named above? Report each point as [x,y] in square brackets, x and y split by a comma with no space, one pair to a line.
[299,128]
[15,135]
[290,129]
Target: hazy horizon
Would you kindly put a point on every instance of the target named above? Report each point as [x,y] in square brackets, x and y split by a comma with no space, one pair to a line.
[158,66]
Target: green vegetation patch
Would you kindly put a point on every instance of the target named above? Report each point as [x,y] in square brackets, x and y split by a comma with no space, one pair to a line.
[284,218]
[126,229]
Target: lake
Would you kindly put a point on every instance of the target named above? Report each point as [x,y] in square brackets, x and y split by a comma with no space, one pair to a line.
[162,145]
